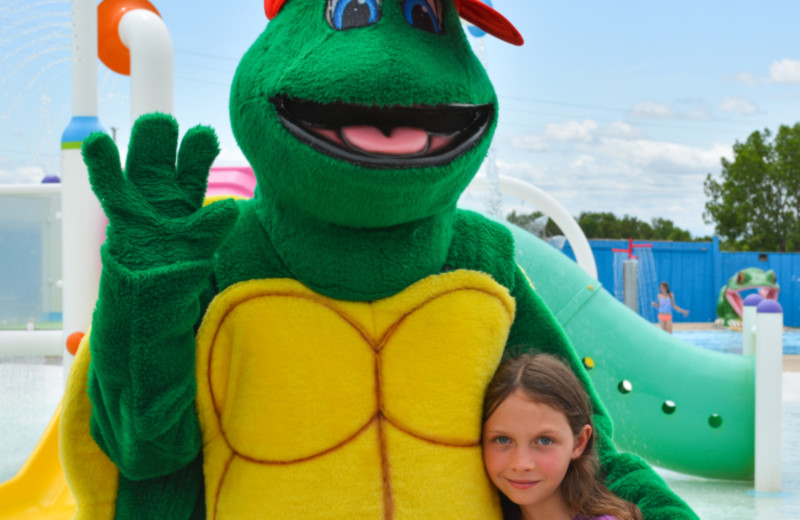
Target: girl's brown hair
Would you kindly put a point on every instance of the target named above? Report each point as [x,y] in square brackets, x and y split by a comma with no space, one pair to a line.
[547,380]
[665,285]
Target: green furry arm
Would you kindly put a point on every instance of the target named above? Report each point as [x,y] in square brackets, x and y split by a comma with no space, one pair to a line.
[630,477]
[142,387]
[536,330]
[141,380]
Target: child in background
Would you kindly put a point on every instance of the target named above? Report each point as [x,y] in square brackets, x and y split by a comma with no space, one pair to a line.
[665,304]
[538,445]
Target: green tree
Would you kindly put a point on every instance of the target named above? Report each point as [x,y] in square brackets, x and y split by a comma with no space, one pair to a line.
[665,229]
[755,203]
[607,225]
[526,222]
[599,224]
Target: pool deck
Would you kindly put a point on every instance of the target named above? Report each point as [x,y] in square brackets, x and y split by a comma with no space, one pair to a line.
[791,363]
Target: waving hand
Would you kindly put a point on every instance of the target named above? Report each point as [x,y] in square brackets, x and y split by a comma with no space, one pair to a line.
[155,207]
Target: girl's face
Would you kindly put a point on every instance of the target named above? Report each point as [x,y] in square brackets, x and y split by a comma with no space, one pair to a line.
[527,449]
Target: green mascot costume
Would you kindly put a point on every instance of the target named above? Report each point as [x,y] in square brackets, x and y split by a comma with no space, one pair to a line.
[321,350]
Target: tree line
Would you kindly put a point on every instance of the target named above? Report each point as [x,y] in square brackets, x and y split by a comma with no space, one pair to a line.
[608,225]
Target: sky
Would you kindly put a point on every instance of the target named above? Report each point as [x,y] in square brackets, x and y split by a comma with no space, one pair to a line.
[618,106]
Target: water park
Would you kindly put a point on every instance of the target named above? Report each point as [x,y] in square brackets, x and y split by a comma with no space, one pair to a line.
[714,407]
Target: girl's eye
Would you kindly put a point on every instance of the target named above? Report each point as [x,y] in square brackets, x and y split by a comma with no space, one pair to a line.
[347,14]
[502,439]
[545,441]
[424,14]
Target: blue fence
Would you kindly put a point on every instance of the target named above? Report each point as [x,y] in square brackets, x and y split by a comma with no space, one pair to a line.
[696,271]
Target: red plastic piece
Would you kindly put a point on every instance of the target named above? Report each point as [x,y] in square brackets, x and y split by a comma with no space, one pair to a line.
[110,49]
[74,341]
[481,15]
[271,7]
[630,249]
[473,11]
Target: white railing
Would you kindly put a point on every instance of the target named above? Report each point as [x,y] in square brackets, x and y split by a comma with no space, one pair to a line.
[38,342]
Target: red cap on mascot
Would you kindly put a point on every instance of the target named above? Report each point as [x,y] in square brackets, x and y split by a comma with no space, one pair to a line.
[473,11]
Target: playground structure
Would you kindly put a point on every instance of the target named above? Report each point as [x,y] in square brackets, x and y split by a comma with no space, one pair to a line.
[648,380]
[635,279]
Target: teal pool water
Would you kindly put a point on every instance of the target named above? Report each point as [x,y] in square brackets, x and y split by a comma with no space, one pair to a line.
[731,341]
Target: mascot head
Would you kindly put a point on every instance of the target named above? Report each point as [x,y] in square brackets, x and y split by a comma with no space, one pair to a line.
[366,113]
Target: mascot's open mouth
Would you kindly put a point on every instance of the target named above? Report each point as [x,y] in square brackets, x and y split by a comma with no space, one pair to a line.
[397,137]
[737,302]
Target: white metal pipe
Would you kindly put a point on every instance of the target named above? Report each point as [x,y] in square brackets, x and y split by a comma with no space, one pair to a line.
[84,57]
[769,371]
[145,34]
[749,324]
[83,223]
[83,232]
[550,207]
[30,190]
[31,343]
[630,284]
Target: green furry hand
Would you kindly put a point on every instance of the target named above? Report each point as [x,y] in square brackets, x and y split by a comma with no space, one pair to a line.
[155,208]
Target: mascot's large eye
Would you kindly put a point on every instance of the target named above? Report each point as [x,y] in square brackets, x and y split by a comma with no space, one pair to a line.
[424,14]
[347,14]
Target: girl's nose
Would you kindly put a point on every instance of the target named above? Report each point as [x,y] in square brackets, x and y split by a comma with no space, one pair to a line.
[523,461]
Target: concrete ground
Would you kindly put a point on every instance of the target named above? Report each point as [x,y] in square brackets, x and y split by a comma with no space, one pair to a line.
[791,363]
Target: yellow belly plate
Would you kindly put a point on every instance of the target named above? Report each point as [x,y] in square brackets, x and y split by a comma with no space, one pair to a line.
[313,408]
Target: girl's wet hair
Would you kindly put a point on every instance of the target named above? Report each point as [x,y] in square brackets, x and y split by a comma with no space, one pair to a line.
[546,379]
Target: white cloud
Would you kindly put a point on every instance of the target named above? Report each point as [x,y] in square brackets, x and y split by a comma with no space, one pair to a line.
[230,157]
[22,175]
[624,143]
[652,110]
[572,132]
[622,131]
[620,170]
[664,155]
[785,71]
[737,105]
[521,170]
[785,96]
[575,132]
[584,161]
[691,109]
[533,143]
[742,77]
[699,114]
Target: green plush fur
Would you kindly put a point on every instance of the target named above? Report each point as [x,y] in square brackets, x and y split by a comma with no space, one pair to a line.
[345,230]
[386,64]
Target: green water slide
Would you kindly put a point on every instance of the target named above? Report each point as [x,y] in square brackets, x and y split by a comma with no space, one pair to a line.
[681,407]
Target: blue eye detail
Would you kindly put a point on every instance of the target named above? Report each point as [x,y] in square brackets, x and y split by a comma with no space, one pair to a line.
[424,14]
[502,439]
[348,14]
[545,441]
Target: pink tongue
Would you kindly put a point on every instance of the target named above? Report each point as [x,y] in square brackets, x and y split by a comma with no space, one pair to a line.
[402,141]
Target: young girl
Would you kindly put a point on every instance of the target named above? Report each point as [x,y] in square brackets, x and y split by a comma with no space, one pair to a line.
[666,302]
[538,445]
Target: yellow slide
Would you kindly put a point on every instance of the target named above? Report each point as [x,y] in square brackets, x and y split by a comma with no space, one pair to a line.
[39,490]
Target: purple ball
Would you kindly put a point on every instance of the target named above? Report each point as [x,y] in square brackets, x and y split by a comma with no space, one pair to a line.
[753,300]
[770,307]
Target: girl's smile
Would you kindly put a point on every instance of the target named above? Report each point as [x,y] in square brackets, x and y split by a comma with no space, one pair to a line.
[522,484]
